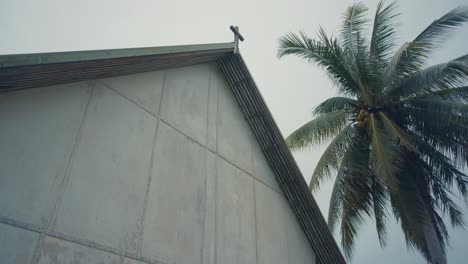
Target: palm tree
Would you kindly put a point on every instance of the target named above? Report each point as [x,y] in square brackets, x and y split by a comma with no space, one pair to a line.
[398,131]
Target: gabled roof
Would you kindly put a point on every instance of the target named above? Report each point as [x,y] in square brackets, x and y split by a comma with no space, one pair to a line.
[35,70]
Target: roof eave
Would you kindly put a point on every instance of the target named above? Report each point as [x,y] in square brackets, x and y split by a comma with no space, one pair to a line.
[35,70]
[18,60]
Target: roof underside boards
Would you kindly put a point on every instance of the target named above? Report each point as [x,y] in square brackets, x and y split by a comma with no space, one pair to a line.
[35,70]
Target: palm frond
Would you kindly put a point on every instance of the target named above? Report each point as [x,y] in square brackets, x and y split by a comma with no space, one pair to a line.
[351,199]
[435,78]
[442,168]
[456,94]
[439,30]
[357,206]
[354,22]
[380,201]
[331,157]
[352,41]
[414,208]
[385,156]
[397,132]
[335,104]
[435,242]
[412,56]
[443,124]
[455,149]
[326,53]
[318,130]
[354,163]
[445,131]
[459,111]
[440,181]
[407,210]
[449,207]
[304,47]
[408,59]
[444,174]
[357,199]
[434,230]
[335,208]
[383,33]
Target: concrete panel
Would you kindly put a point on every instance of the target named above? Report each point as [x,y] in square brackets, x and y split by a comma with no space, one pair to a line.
[57,251]
[144,88]
[235,138]
[38,130]
[262,170]
[108,178]
[235,216]
[185,100]
[173,226]
[300,251]
[210,205]
[271,230]
[132,261]
[216,79]
[17,245]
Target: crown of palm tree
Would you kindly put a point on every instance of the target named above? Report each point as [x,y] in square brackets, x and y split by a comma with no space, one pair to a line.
[399,133]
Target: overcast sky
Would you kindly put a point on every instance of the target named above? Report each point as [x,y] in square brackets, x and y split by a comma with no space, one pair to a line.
[290,86]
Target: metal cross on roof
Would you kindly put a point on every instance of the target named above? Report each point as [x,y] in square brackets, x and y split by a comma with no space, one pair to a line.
[237,37]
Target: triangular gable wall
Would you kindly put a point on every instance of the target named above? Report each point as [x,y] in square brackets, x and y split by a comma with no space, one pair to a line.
[157,166]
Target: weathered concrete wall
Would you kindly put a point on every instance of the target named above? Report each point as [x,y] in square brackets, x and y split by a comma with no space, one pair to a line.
[157,167]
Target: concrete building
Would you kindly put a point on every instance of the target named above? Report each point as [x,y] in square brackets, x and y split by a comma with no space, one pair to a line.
[148,155]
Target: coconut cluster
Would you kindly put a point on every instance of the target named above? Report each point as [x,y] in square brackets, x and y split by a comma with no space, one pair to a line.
[362,118]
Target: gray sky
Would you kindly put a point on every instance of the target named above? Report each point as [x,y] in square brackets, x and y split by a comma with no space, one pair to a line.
[290,86]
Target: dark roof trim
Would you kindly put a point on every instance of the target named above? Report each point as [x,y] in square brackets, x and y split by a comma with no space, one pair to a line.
[280,159]
[35,70]
[16,60]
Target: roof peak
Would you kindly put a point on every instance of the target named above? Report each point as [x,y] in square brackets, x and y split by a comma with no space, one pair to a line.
[237,37]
